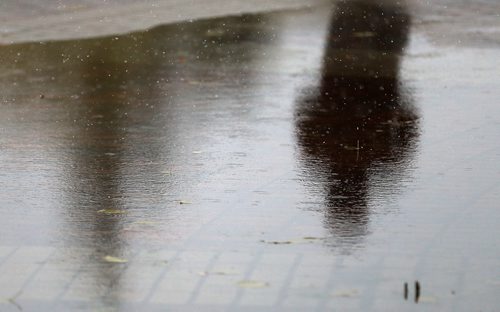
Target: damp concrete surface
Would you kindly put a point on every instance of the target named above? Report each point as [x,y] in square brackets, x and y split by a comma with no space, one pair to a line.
[336,157]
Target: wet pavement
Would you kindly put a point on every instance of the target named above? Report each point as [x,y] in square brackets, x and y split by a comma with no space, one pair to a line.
[48,20]
[303,160]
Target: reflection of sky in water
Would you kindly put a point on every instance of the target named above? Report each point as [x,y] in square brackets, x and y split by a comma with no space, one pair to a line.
[236,117]
[135,124]
[117,131]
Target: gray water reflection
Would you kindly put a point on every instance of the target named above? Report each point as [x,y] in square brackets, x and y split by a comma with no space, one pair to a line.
[357,131]
[118,116]
[118,122]
[101,139]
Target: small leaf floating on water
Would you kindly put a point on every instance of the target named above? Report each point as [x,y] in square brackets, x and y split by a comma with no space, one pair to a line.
[312,238]
[351,148]
[305,240]
[194,82]
[276,242]
[427,299]
[252,284]
[112,259]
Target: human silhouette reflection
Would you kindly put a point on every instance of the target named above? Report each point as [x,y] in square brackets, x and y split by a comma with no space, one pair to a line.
[357,130]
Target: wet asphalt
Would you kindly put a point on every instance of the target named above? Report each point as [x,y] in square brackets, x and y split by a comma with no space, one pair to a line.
[303,160]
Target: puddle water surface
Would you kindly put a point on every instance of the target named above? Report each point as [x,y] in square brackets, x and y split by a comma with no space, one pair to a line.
[303,153]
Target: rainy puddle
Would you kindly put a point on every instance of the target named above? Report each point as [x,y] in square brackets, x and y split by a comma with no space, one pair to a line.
[312,159]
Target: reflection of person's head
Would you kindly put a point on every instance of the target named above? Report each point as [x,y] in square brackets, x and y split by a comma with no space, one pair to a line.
[358,123]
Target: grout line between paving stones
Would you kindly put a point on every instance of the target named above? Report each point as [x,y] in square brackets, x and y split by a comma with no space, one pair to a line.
[329,285]
[7,257]
[161,276]
[239,294]
[203,279]
[288,279]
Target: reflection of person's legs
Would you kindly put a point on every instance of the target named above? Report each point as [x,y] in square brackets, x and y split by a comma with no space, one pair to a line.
[365,40]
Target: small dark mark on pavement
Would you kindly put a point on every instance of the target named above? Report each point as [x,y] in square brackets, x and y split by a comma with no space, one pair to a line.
[417,291]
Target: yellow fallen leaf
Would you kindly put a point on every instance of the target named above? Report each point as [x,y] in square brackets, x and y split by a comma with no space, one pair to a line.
[351,148]
[252,284]
[224,273]
[75,7]
[112,259]
[427,299]
[111,211]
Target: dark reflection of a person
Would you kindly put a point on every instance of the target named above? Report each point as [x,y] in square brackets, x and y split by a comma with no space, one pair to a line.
[356,131]
[116,129]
